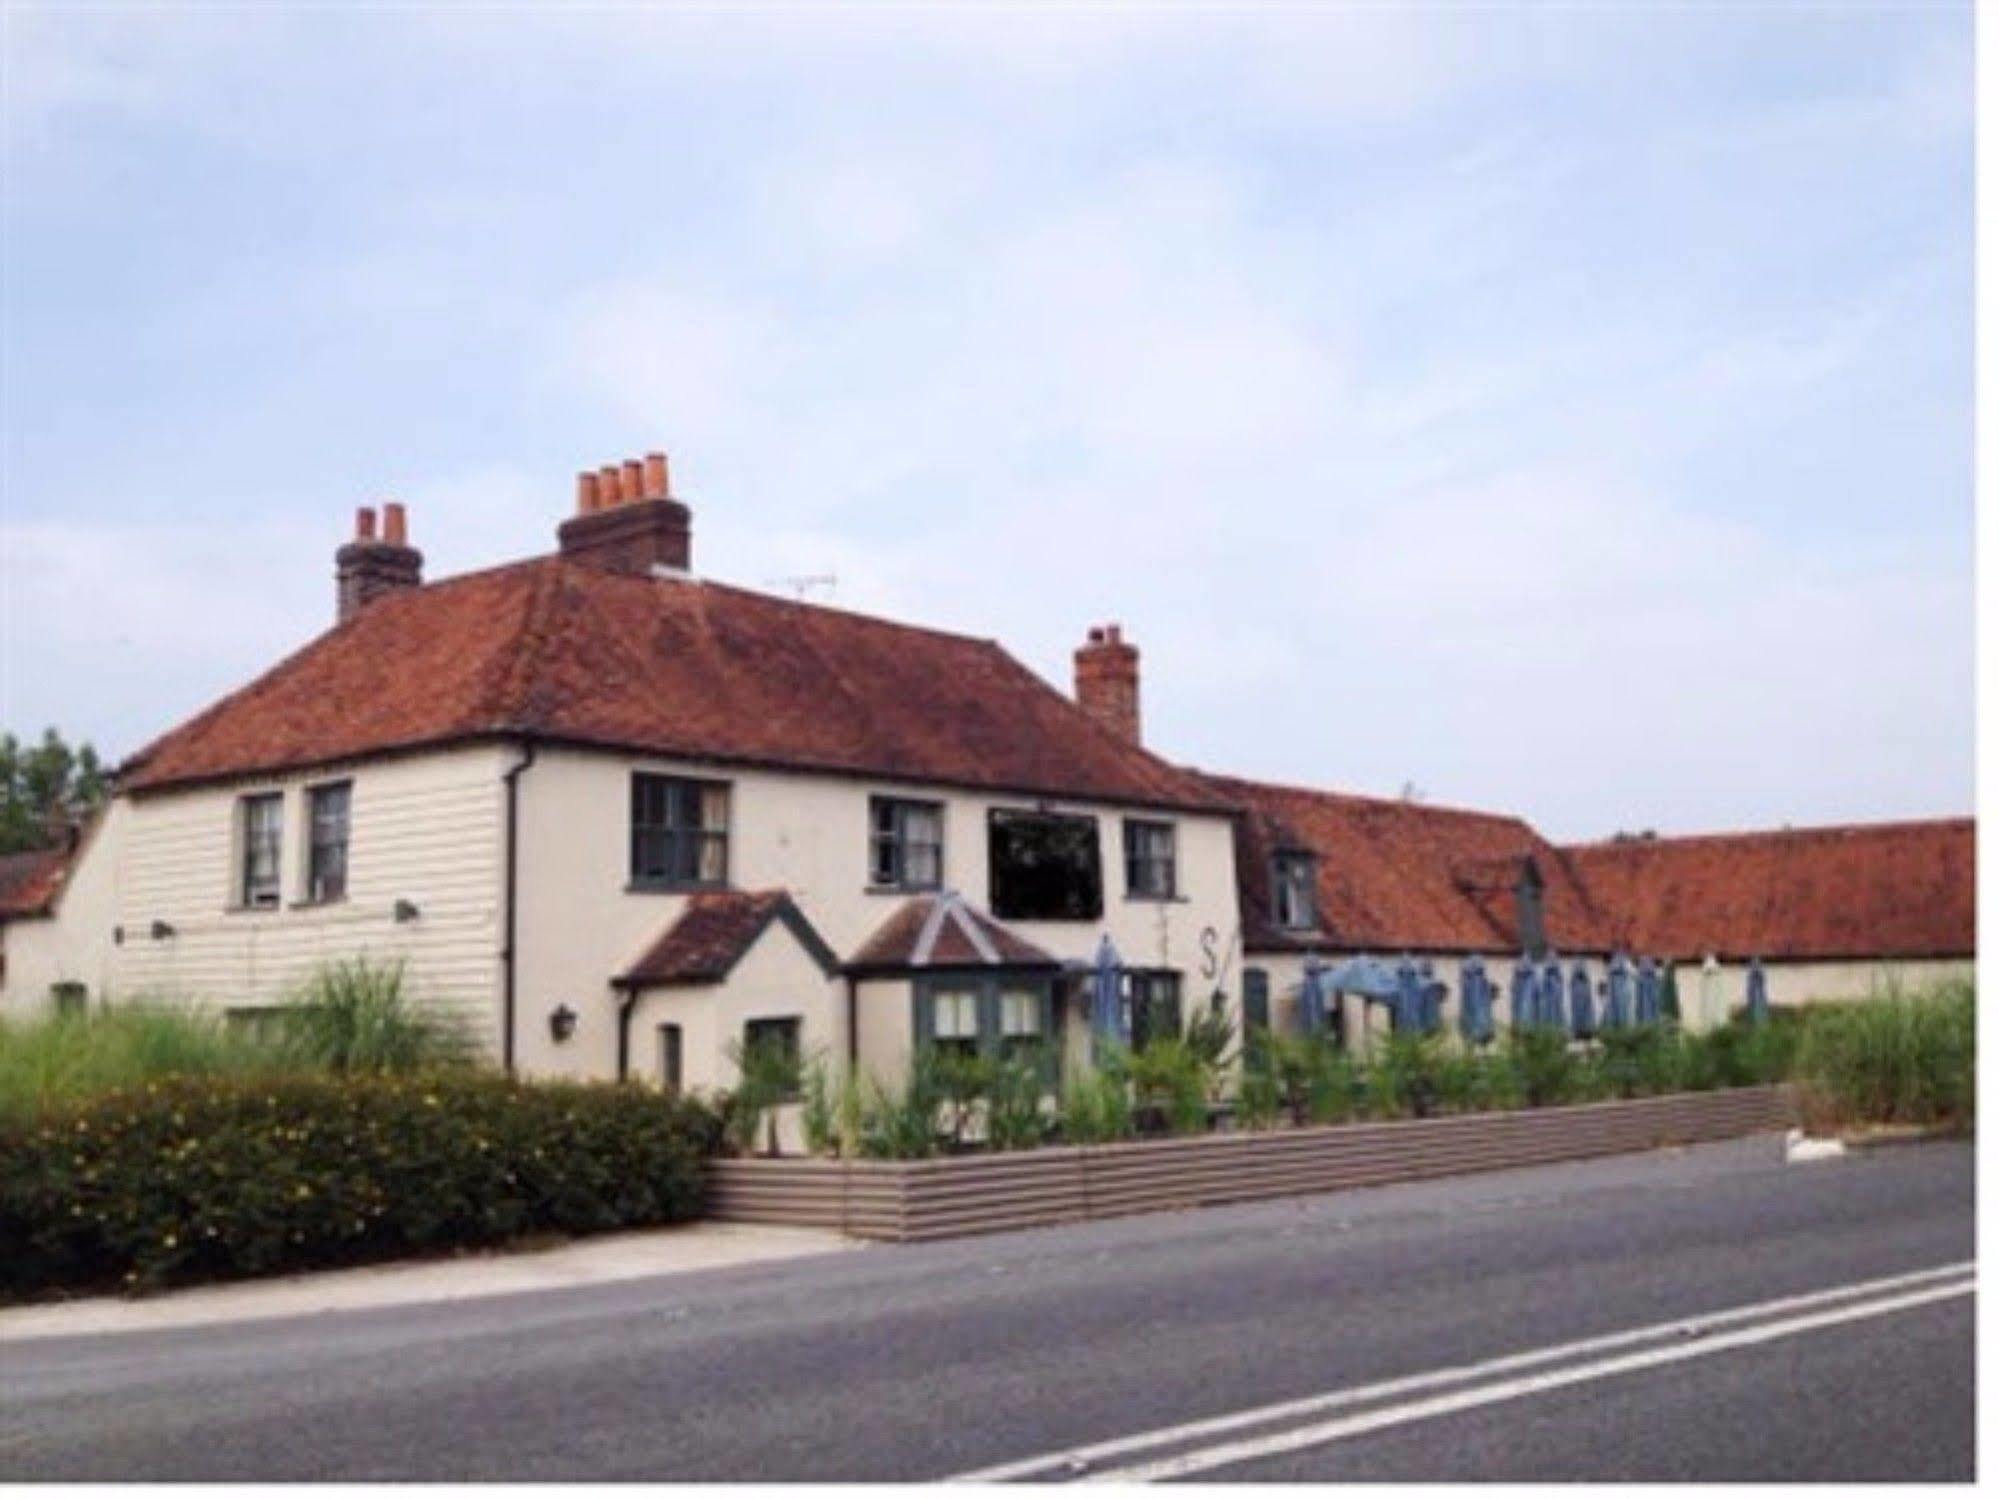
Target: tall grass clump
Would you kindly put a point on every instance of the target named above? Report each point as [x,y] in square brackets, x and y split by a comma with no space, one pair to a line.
[63,1058]
[359,1016]
[1897,1058]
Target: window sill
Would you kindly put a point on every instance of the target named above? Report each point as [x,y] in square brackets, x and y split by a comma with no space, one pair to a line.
[668,887]
[1132,897]
[318,905]
[240,909]
[900,889]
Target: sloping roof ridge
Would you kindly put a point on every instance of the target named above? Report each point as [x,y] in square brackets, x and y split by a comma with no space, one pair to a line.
[801,606]
[1762,835]
[1327,793]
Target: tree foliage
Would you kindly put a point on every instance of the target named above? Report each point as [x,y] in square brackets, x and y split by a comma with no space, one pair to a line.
[44,786]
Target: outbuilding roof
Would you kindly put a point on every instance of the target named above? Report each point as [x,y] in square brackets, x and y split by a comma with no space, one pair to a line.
[1401,875]
[713,932]
[1881,890]
[30,881]
[673,666]
[944,930]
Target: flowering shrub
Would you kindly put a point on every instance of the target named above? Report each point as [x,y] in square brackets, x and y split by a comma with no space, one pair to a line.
[212,1178]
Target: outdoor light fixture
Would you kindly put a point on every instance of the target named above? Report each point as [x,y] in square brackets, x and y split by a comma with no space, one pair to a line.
[405,910]
[562,1022]
[161,930]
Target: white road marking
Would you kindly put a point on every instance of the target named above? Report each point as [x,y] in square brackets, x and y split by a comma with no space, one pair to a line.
[1205,1459]
[1070,1459]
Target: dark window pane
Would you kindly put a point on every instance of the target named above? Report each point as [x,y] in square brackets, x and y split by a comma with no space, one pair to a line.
[679,831]
[1044,867]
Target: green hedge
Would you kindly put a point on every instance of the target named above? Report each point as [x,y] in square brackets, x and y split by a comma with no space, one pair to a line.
[213,1178]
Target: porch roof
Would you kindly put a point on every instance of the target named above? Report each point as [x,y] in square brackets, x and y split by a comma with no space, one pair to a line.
[944,930]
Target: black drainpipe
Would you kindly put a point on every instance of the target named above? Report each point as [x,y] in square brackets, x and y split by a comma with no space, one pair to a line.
[513,784]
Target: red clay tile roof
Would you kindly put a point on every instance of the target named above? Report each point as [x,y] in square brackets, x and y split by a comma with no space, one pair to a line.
[570,652]
[29,881]
[945,931]
[1897,889]
[712,933]
[1401,875]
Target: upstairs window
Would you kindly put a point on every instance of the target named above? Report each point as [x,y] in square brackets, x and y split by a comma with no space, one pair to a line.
[1044,867]
[1294,893]
[680,831]
[260,824]
[326,854]
[905,844]
[1150,867]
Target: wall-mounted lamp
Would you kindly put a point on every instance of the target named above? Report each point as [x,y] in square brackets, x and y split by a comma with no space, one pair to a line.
[161,930]
[562,1022]
[405,910]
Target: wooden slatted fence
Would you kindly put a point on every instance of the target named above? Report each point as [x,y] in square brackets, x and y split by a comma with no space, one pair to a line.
[974,1194]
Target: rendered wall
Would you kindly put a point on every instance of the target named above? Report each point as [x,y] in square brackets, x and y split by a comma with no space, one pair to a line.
[581,924]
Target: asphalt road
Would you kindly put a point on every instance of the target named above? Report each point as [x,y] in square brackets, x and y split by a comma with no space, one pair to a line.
[933,1361]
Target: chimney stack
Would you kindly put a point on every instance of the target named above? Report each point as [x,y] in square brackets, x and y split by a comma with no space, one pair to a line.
[368,567]
[1107,681]
[627,520]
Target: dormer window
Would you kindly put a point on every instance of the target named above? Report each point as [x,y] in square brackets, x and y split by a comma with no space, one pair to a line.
[1294,892]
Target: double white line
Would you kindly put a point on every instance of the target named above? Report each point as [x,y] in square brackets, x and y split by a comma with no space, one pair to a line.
[1186,1449]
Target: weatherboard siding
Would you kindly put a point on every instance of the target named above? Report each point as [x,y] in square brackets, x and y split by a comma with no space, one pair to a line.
[424,829]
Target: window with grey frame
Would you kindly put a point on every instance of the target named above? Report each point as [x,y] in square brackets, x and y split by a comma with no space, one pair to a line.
[1154,997]
[1294,890]
[327,809]
[905,844]
[1151,864]
[782,1034]
[680,831]
[259,870]
[995,1016]
[670,1058]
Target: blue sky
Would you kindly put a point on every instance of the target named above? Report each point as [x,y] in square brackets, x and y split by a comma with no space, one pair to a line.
[1565,410]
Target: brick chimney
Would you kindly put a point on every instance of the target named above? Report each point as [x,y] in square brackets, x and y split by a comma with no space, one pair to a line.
[1107,681]
[371,566]
[626,521]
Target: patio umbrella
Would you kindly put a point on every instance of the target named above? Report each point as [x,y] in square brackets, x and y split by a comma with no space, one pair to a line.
[1312,997]
[1669,996]
[1522,997]
[1648,992]
[1550,1009]
[1759,993]
[1408,1009]
[1474,1002]
[1617,1001]
[1582,1004]
[1368,977]
[1106,1011]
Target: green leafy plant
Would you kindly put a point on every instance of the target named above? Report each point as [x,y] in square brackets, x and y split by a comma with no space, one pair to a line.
[357,1016]
[1545,1070]
[902,1125]
[962,1078]
[1898,1058]
[210,1178]
[1171,1082]
[1259,1095]
[768,1074]
[1096,1103]
[1015,1087]
[816,1115]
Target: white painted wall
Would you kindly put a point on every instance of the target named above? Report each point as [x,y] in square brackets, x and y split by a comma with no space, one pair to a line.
[423,828]
[807,834]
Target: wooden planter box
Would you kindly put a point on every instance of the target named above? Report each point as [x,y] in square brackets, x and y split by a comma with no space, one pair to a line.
[975,1194]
